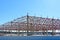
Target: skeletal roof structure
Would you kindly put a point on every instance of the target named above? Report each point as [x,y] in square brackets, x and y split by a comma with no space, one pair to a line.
[37,23]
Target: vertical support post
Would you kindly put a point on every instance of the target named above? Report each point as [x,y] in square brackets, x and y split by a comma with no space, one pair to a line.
[27,25]
[11,29]
[3,28]
[52,27]
[31,29]
[41,26]
[18,28]
[47,27]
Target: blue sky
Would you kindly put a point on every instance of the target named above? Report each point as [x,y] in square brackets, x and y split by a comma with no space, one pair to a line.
[12,9]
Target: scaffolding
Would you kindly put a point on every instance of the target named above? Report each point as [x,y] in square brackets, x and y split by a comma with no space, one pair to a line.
[32,24]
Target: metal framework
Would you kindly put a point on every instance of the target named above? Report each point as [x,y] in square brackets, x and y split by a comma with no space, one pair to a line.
[32,23]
